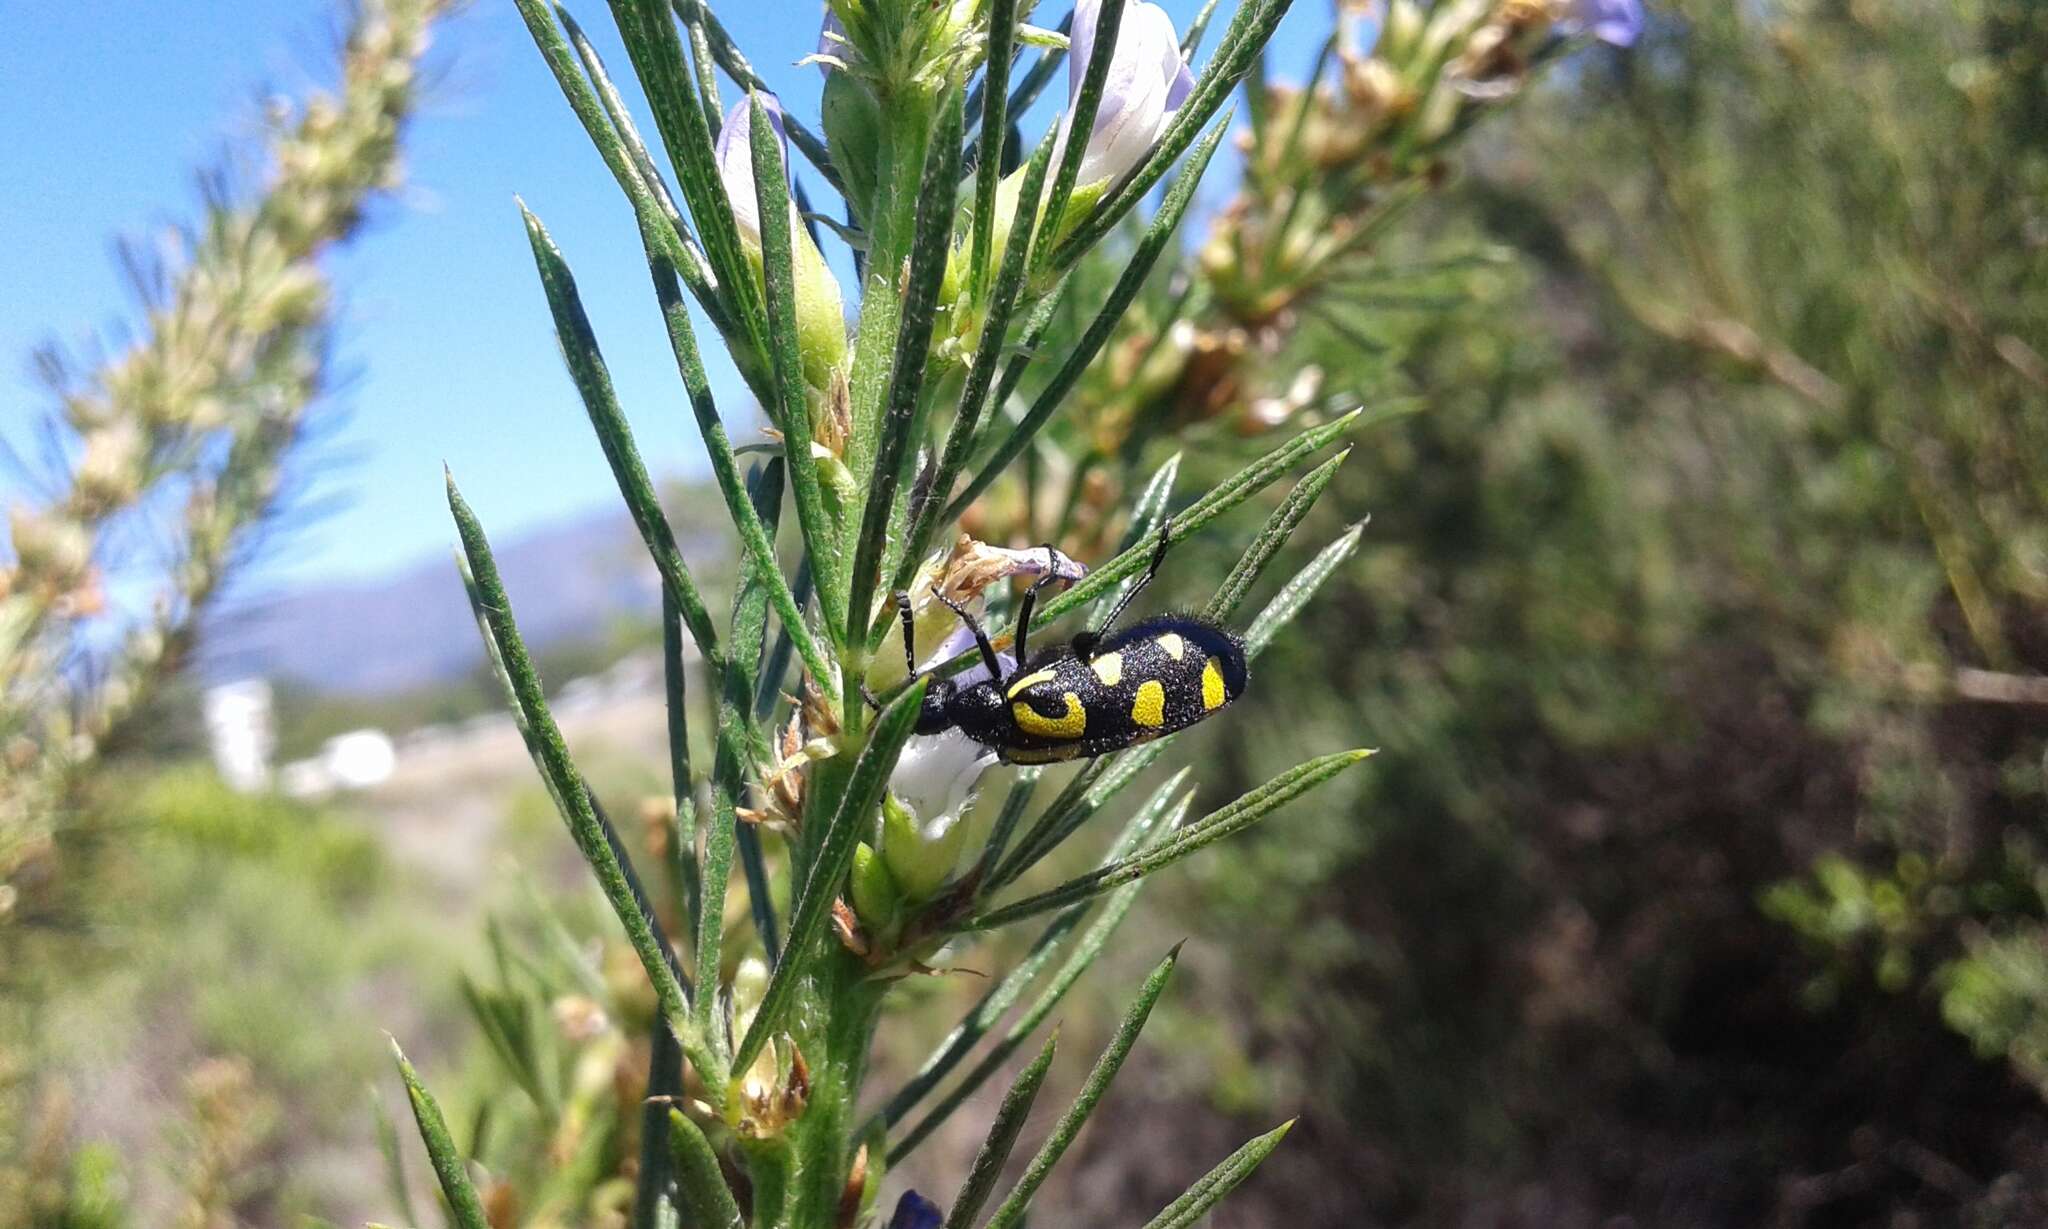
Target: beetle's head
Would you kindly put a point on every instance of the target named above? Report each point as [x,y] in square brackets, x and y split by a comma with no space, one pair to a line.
[977,709]
[936,716]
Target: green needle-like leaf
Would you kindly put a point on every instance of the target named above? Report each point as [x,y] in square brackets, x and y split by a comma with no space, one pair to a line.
[700,1184]
[1050,398]
[594,385]
[1243,42]
[793,416]
[1080,122]
[1216,826]
[928,251]
[1296,593]
[610,129]
[729,57]
[664,1084]
[682,843]
[1146,516]
[467,1210]
[974,397]
[985,1015]
[1013,1208]
[658,60]
[749,638]
[995,1150]
[551,755]
[1218,1182]
[756,541]
[1279,527]
[1224,496]
[1191,42]
[995,103]
[808,923]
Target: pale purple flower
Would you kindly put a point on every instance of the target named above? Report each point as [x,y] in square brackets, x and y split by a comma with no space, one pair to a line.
[1619,22]
[1147,83]
[736,160]
[831,42]
[936,776]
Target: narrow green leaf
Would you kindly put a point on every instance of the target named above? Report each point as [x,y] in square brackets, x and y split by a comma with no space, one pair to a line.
[1218,825]
[1142,830]
[1296,593]
[749,637]
[757,544]
[808,921]
[1080,122]
[1021,788]
[1278,528]
[1243,42]
[682,842]
[930,239]
[594,386]
[729,767]
[1002,1137]
[394,1159]
[736,66]
[700,1184]
[974,396]
[1220,1181]
[551,756]
[1054,394]
[1220,499]
[693,15]
[778,263]
[657,54]
[1013,1208]
[1191,42]
[1084,796]
[995,102]
[463,1204]
[664,1084]
[1147,514]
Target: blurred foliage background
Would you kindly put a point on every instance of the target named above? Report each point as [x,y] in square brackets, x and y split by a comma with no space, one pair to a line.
[1702,619]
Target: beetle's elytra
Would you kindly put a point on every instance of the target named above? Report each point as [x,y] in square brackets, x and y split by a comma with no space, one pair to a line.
[1101,692]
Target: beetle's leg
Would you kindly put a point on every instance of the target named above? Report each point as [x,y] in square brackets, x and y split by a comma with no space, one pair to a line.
[988,651]
[909,632]
[1031,600]
[1152,570]
[868,693]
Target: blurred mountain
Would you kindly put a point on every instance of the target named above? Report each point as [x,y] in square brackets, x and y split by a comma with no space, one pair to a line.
[569,581]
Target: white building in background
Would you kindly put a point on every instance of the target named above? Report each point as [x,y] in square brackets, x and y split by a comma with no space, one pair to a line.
[358,759]
[242,732]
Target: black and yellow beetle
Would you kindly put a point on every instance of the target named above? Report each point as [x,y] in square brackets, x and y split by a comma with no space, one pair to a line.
[1100,692]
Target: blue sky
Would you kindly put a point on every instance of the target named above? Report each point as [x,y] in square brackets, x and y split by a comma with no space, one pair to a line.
[110,107]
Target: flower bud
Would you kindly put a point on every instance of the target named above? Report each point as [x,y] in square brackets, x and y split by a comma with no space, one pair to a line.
[820,317]
[1147,83]
[876,900]
[930,790]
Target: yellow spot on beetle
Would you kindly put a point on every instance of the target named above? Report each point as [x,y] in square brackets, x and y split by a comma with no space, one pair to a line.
[1148,707]
[1109,668]
[1042,676]
[1031,721]
[1212,685]
[1173,645]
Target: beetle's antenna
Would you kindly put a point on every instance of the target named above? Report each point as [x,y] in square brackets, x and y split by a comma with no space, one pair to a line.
[909,632]
[1152,570]
[988,651]
[1052,573]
